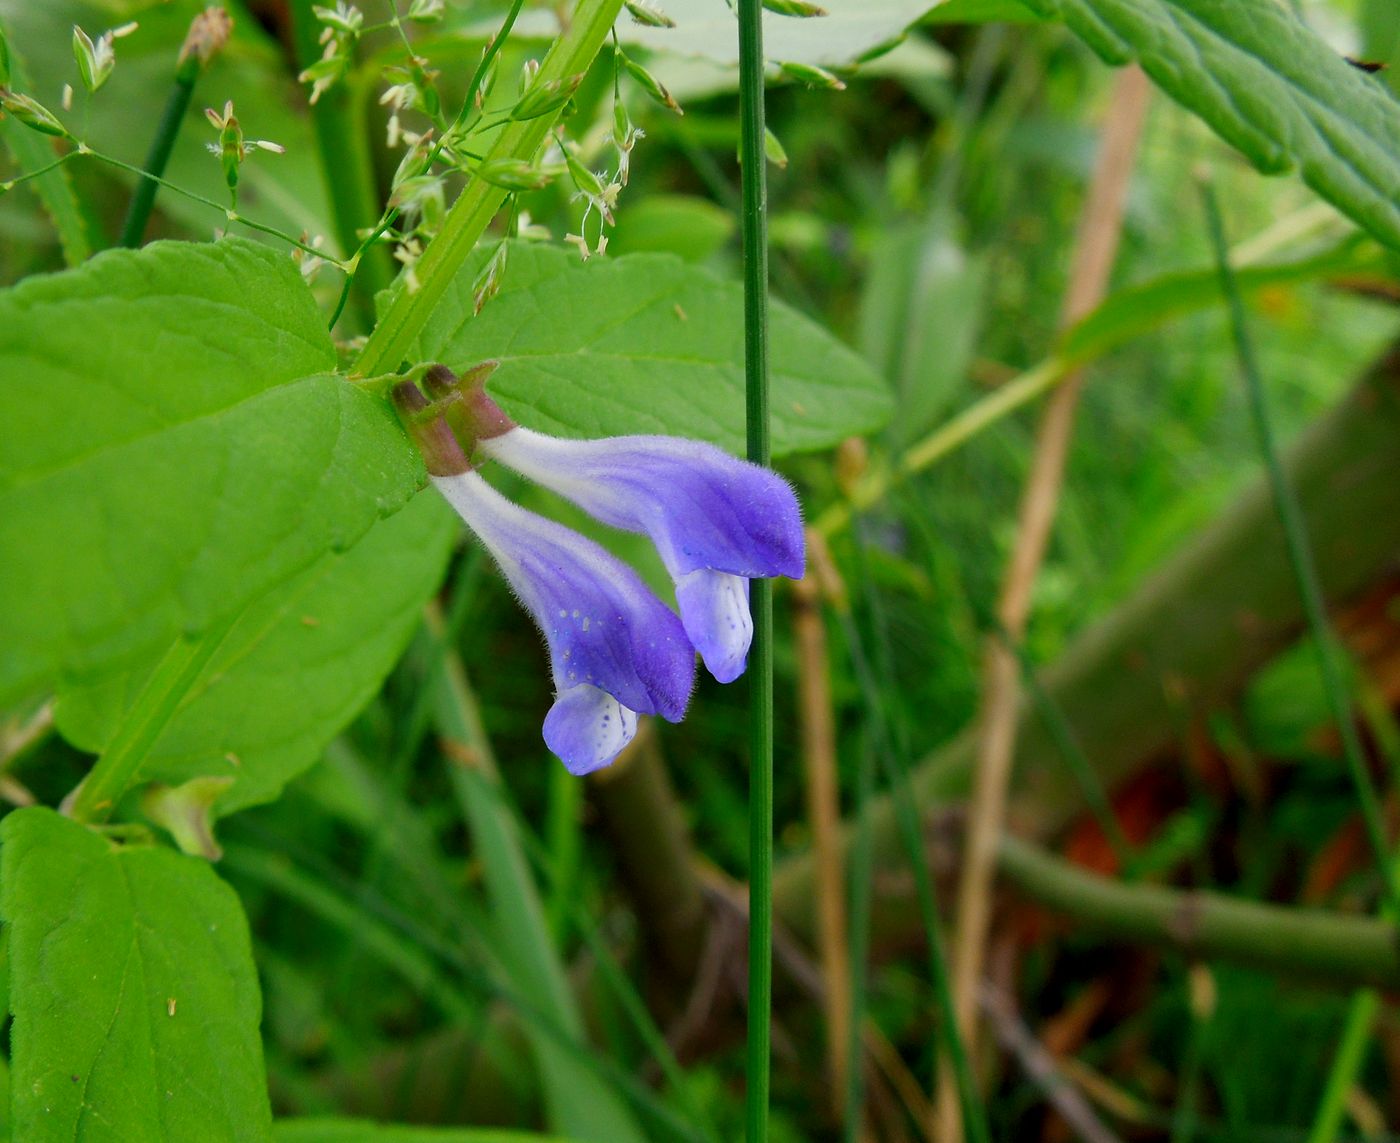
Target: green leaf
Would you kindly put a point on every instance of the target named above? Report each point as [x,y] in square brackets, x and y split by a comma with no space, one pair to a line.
[168,455]
[920,313]
[363,1131]
[296,667]
[1267,85]
[647,344]
[693,228]
[135,999]
[849,31]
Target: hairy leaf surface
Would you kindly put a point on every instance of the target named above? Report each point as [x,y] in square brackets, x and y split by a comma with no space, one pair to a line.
[135,999]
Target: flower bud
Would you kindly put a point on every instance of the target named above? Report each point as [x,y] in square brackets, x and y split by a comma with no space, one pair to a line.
[812,76]
[649,17]
[774,150]
[32,114]
[793,8]
[513,174]
[425,11]
[543,98]
[488,283]
[209,32]
[651,85]
[343,18]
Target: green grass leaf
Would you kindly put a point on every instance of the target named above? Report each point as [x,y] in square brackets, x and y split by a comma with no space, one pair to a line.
[1267,85]
[169,453]
[647,344]
[135,999]
[296,667]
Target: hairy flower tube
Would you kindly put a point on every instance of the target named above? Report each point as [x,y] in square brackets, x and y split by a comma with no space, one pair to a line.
[716,521]
[615,650]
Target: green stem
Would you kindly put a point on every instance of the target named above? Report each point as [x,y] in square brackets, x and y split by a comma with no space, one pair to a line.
[1351,1054]
[346,167]
[1300,556]
[565,797]
[478,203]
[1328,947]
[754,199]
[862,886]
[117,768]
[143,198]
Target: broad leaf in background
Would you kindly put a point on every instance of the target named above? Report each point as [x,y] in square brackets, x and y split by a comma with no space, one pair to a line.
[851,30]
[281,190]
[1268,85]
[135,999]
[298,665]
[647,344]
[168,453]
[363,1131]
[921,310]
[981,12]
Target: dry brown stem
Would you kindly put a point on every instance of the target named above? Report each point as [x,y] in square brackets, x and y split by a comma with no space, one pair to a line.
[818,732]
[1095,248]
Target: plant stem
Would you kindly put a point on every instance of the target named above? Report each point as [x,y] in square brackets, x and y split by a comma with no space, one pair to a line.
[1311,943]
[1300,557]
[1351,1054]
[143,198]
[345,166]
[116,769]
[466,221]
[754,199]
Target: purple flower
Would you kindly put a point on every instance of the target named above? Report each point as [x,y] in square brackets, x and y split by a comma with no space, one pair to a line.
[615,650]
[716,521]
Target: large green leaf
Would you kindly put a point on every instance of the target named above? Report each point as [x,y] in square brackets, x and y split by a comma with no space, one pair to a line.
[168,453]
[296,667]
[1268,85]
[647,343]
[135,999]
[363,1131]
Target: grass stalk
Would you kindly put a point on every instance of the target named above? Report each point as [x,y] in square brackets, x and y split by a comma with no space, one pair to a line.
[754,226]
[1300,556]
[346,167]
[143,198]
[966,1101]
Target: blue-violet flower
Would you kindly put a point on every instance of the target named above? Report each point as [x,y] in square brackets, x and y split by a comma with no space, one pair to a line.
[716,521]
[615,650]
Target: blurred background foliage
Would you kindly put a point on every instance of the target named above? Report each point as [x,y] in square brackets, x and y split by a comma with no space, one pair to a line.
[926,214]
